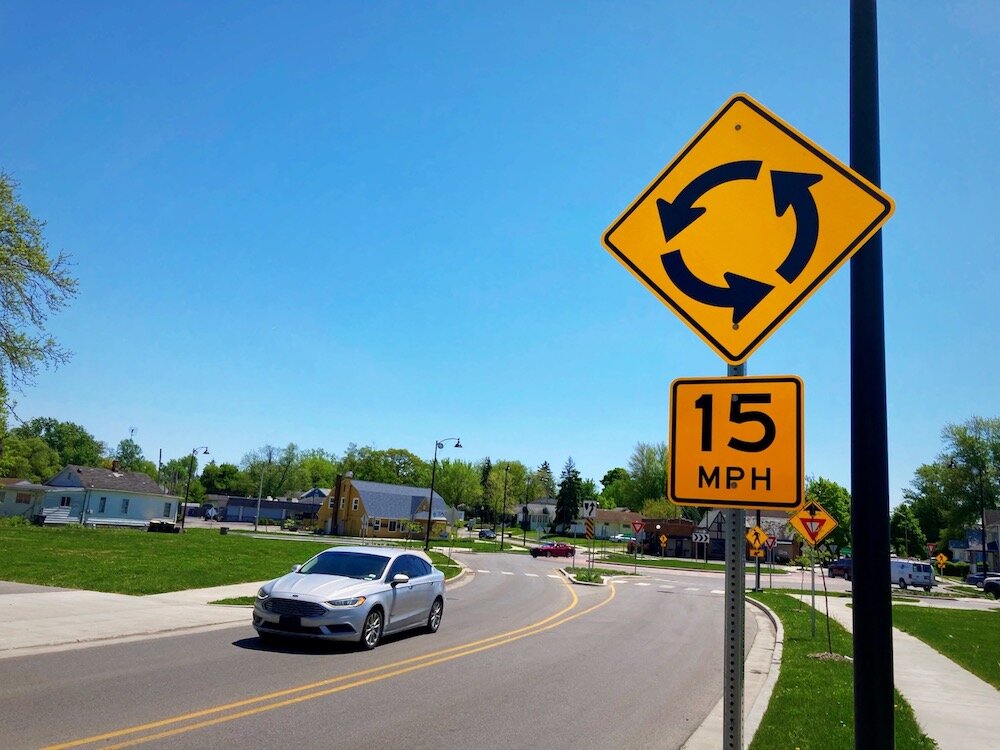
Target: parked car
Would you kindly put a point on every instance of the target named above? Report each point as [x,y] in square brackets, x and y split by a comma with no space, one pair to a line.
[553,549]
[992,586]
[487,534]
[841,568]
[978,579]
[622,538]
[352,594]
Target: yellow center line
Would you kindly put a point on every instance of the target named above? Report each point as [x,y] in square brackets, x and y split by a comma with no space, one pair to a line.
[360,678]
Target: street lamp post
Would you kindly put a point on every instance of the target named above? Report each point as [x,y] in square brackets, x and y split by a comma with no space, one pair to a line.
[187,490]
[982,515]
[260,491]
[503,508]
[430,500]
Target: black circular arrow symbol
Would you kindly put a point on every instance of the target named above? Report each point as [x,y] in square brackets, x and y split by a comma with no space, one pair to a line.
[742,294]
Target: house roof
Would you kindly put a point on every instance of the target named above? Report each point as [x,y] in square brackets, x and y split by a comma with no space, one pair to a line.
[395,500]
[20,484]
[91,477]
[617,516]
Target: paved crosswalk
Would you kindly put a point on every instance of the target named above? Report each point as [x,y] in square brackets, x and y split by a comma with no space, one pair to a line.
[661,584]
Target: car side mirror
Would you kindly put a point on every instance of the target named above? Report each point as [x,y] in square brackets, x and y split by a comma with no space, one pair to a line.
[400,578]
[296,568]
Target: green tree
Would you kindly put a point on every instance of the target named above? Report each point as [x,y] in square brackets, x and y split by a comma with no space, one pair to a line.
[318,469]
[129,456]
[836,500]
[661,508]
[546,480]
[647,468]
[28,458]
[225,479]
[392,466]
[71,441]
[568,498]
[32,285]
[972,454]
[905,534]
[457,482]
[931,498]
[614,475]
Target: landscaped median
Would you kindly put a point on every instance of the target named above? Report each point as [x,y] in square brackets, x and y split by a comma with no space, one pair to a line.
[671,562]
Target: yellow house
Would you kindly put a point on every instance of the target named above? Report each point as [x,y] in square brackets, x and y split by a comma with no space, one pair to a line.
[373,509]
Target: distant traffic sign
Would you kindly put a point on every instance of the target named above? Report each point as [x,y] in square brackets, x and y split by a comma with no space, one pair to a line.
[813,523]
[699,537]
[771,541]
[737,442]
[589,508]
[757,537]
[941,559]
[744,225]
[638,526]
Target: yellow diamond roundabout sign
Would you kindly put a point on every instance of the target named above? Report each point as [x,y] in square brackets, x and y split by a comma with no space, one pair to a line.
[744,225]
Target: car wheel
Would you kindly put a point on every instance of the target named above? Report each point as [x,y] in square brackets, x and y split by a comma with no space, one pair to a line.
[434,618]
[371,631]
[902,583]
[927,589]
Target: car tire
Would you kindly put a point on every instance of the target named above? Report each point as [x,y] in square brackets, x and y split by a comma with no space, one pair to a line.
[434,618]
[902,584]
[927,589]
[371,631]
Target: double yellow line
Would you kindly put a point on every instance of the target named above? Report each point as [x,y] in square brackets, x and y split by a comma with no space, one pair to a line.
[208,717]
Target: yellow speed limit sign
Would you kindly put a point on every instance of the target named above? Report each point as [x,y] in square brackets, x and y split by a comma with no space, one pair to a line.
[737,442]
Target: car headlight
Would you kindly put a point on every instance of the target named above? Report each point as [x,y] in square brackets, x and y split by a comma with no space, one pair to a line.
[354,601]
[263,593]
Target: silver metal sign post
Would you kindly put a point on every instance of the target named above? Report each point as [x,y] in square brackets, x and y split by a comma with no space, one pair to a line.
[732,710]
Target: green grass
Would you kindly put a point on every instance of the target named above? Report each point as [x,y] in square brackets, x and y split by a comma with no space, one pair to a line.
[136,562]
[812,706]
[241,601]
[667,562]
[971,639]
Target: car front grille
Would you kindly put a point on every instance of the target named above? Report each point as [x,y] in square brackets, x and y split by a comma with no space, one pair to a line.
[294,607]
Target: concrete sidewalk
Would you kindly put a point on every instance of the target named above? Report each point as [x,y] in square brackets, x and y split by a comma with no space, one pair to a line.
[35,620]
[954,707]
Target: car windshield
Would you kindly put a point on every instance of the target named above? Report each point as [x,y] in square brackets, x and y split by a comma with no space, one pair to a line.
[348,564]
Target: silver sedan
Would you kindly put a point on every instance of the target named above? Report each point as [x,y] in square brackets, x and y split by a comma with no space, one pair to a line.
[352,594]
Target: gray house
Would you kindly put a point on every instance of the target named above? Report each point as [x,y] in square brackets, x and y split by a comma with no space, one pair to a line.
[106,497]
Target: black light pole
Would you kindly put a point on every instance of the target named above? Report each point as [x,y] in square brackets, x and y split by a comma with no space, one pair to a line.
[874,722]
[982,515]
[430,501]
[503,509]
[187,490]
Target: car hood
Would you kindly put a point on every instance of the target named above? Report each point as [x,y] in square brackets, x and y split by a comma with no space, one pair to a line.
[323,586]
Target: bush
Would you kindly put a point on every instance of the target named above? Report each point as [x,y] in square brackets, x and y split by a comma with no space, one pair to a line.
[11,522]
[959,569]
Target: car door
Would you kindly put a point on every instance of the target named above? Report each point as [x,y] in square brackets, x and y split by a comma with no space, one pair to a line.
[405,605]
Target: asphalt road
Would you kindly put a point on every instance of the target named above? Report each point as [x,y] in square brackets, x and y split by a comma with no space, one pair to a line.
[523,659]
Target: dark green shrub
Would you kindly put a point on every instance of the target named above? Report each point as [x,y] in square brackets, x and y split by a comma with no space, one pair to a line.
[959,569]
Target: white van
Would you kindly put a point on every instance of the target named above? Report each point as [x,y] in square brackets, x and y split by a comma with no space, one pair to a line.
[911,573]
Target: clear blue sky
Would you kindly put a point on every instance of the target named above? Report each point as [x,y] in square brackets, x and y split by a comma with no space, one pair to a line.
[380,222]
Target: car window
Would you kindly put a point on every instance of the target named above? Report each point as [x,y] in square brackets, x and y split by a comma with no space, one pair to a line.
[348,564]
[403,564]
[420,567]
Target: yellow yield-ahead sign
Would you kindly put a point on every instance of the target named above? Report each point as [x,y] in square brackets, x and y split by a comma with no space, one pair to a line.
[744,225]
[737,442]
[813,523]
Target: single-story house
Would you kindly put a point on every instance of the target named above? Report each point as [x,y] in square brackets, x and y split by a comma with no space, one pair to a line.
[607,523]
[374,509]
[106,497]
[19,497]
[540,513]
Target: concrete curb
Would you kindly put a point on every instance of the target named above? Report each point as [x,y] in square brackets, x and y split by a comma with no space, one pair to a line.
[761,668]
